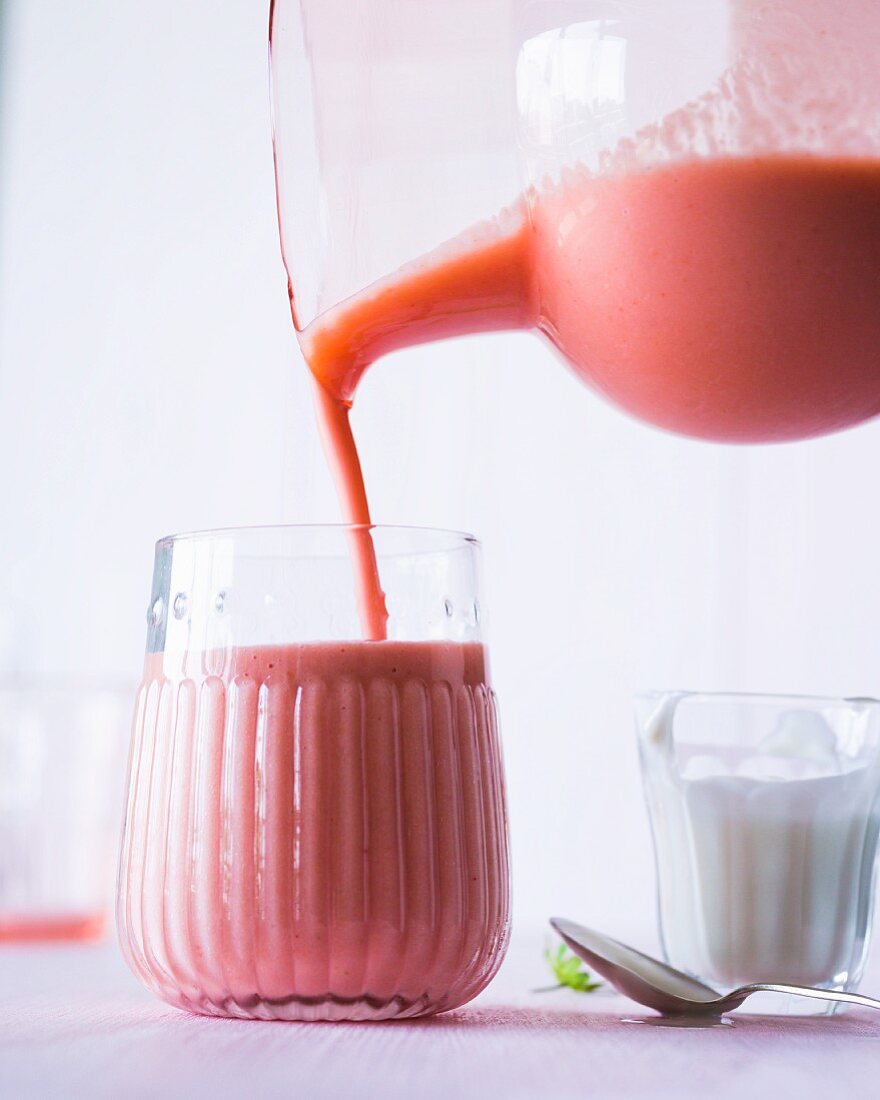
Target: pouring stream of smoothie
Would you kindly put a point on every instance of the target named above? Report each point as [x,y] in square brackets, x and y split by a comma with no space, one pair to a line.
[478,283]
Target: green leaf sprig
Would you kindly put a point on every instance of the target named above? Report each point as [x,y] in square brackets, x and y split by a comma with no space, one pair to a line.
[569,971]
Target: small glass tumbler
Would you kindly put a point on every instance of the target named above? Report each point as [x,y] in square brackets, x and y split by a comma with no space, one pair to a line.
[62,762]
[765,816]
[316,826]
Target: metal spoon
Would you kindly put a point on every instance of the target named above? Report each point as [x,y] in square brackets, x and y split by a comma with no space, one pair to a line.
[670,992]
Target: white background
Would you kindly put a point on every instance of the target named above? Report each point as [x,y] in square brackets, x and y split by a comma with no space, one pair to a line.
[150,382]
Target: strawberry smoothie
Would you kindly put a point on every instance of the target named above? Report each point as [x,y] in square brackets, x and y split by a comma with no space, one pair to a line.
[317,833]
[734,299]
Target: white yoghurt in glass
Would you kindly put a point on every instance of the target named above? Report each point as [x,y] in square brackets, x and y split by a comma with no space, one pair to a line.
[765,836]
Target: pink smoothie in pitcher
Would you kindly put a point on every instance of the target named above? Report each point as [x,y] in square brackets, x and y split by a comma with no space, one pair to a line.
[331,833]
[734,299]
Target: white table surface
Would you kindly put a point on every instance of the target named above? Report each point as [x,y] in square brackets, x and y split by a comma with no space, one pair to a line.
[74,1023]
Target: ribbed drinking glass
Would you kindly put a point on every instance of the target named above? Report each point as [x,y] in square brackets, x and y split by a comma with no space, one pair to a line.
[316,825]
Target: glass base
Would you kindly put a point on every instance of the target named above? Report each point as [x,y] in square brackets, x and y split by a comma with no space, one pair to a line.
[314,1009]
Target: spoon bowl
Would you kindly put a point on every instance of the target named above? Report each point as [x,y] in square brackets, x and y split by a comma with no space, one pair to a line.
[655,984]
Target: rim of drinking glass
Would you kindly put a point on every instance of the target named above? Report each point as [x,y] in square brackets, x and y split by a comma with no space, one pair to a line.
[760,696]
[280,528]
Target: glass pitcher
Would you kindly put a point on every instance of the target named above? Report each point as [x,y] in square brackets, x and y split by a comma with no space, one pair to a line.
[683,198]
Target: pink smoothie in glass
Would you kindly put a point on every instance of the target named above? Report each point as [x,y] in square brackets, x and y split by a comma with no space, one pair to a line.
[317,830]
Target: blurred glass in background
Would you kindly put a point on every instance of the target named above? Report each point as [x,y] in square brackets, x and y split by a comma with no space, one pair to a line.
[62,746]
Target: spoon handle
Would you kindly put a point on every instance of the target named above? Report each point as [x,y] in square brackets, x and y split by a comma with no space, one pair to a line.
[818,994]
